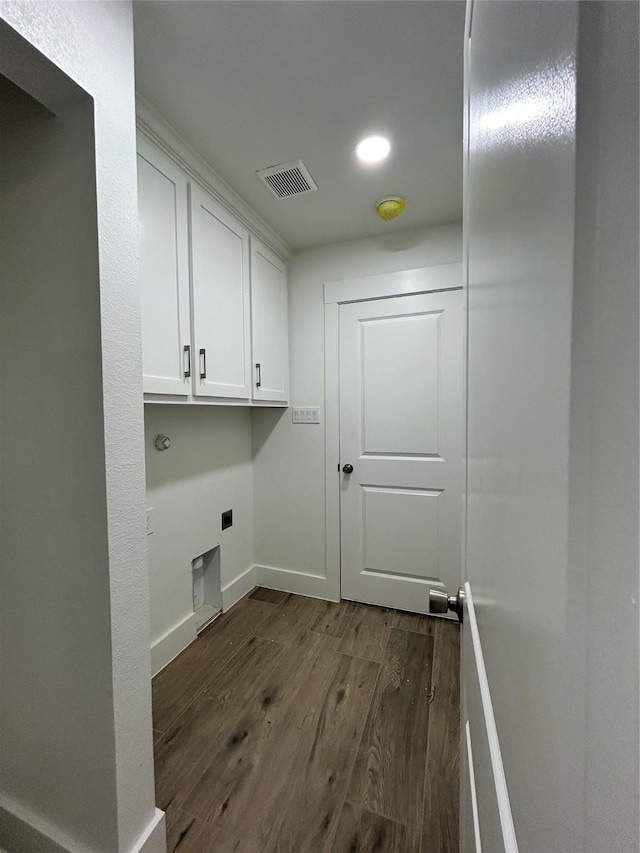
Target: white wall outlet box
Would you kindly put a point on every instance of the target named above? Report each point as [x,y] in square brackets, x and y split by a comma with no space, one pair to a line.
[306,414]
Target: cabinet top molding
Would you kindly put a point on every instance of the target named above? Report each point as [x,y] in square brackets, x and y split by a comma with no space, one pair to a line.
[167,138]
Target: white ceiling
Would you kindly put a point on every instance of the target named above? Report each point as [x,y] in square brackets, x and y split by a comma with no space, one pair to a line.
[252,84]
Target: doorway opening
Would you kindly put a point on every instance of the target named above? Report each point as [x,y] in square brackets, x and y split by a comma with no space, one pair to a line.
[55,629]
[394,367]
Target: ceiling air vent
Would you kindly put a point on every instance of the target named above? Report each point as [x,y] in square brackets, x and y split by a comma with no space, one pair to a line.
[288,179]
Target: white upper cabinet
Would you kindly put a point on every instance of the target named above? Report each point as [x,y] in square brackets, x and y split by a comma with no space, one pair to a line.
[220,293]
[269,326]
[214,306]
[164,272]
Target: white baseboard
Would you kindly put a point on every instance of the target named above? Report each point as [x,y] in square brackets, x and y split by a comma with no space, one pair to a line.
[509,840]
[154,838]
[297,582]
[238,588]
[169,646]
[22,832]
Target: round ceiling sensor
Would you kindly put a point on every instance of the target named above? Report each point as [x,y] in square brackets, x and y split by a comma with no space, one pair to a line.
[390,207]
[373,149]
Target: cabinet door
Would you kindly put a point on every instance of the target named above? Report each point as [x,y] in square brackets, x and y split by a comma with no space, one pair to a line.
[220,293]
[164,272]
[269,326]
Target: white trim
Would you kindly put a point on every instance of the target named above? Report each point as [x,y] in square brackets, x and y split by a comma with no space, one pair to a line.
[500,781]
[167,138]
[154,838]
[288,580]
[400,283]
[332,445]
[336,293]
[174,399]
[176,639]
[169,645]
[238,587]
[270,404]
[474,793]
[22,830]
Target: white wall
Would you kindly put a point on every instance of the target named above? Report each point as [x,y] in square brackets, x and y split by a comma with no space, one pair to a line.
[207,469]
[605,406]
[521,212]
[289,460]
[75,742]
[552,505]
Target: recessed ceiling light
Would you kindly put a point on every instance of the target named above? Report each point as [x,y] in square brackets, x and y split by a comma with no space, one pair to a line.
[373,149]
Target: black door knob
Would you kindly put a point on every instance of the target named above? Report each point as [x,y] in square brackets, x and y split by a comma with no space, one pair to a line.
[348,469]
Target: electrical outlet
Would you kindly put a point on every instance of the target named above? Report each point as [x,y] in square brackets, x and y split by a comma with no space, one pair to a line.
[149,521]
[227,519]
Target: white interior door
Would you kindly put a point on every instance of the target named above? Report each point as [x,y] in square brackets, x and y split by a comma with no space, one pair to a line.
[220,286]
[401,430]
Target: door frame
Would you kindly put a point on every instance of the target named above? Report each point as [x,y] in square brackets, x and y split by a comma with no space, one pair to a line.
[337,293]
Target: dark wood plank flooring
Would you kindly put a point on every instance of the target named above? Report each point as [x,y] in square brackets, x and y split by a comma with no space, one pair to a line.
[294,725]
